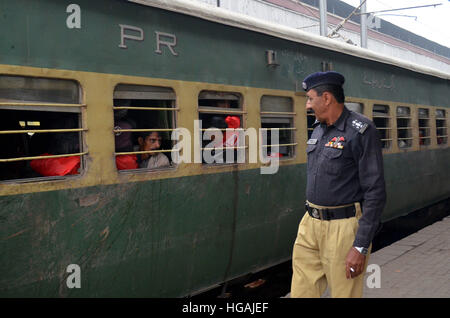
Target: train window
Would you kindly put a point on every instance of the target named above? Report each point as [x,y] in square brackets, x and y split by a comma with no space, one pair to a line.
[382,121]
[404,133]
[310,120]
[41,131]
[222,111]
[424,127]
[144,118]
[278,113]
[441,127]
[356,107]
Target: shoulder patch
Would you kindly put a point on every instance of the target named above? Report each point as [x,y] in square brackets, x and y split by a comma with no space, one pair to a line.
[359,126]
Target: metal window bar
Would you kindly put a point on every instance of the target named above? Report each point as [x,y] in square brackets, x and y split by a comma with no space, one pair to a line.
[143,152]
[220,111]
[146,108]
[279,113]
[409,138]
[222,129]
[42,104]
[281,145]
[38,131]
[224,148]
[43,157]
[281,128]
[144,129]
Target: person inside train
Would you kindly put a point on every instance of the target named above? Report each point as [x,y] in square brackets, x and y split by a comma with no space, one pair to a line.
[151,141]
[124,140]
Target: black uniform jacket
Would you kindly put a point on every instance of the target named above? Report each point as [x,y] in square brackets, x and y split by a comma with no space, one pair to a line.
[345,165]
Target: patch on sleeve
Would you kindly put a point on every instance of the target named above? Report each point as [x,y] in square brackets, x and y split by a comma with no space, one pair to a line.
[359,126]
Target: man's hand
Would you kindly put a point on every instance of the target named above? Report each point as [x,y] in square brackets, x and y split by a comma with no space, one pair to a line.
[354,260]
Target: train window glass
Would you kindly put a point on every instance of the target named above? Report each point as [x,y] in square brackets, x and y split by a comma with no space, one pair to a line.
[356,107]
[441,127]
[404,127]
[424,127]
[382,120]
[277,112]
[222,111]
[144,118]
[41,130]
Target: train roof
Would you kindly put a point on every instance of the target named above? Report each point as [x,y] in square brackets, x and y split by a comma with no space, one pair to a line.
[223,16]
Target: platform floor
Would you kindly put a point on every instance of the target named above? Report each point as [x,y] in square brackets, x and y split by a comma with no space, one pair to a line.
[416,266]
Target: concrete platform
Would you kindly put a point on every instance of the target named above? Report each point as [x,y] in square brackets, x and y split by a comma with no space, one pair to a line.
[416,266]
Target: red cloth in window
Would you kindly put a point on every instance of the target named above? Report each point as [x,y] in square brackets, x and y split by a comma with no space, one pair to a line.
[56,166]
[230,138]
[126,162]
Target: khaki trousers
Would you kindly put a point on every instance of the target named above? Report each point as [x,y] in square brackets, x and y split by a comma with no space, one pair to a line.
[319,257]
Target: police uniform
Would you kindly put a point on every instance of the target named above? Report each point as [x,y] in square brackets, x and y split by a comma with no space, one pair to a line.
[345,195]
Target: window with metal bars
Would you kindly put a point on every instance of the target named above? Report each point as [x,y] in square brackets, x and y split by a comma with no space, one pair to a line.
[310,120]
[382,120]
[41,128]
[221,113]
[144,119]
[277,113]
[404,129]
[441,127]
[424,127]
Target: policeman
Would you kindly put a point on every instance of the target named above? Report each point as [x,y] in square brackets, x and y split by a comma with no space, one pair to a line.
[345,194]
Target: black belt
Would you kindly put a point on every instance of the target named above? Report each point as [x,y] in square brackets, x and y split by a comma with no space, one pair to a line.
[331,213]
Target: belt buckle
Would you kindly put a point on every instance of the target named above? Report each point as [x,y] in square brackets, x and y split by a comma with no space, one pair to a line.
[315,213]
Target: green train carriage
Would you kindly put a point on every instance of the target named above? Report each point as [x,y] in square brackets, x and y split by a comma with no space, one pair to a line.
[68,69]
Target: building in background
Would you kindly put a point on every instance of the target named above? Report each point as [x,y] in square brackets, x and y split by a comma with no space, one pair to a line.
[382,36]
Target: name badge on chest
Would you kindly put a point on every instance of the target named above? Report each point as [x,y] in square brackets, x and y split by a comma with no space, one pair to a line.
[311,142]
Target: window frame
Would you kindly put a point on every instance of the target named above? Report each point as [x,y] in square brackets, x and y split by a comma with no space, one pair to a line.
[444,127]
[78,108]
[139,95]
[407,128]
[290,115]
[428,127]
[388,128]
[239,111]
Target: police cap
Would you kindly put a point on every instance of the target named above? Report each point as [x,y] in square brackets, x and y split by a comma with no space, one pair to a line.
[323,78]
